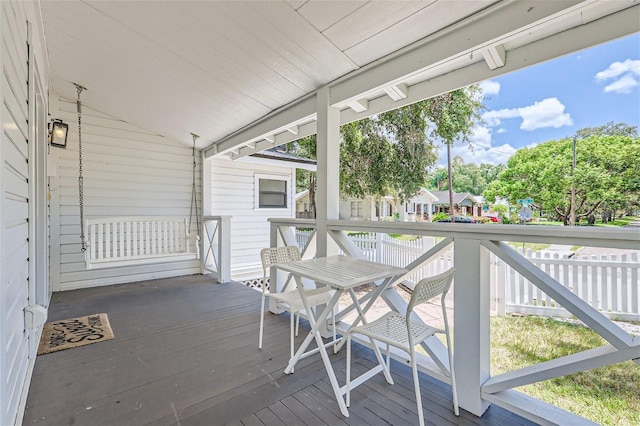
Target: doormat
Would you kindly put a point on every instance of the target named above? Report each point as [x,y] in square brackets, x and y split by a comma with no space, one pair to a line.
[74,332]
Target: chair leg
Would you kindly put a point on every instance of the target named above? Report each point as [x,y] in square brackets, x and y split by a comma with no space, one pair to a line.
[291,326]
[454,388]
[416,385]
[348,378]
[335,344]
[297,323]
[261,322]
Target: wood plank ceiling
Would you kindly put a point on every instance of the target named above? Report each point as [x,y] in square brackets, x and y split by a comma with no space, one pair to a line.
[214,67]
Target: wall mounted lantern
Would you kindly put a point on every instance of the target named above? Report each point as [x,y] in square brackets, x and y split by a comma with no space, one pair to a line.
[58,133]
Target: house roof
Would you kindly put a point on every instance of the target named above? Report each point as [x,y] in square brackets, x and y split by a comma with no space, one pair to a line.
[243,75]
[458,197]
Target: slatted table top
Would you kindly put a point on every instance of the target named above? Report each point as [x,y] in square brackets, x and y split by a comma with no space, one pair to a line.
[341,272]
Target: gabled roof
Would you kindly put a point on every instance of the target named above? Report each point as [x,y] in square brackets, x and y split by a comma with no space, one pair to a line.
[443,197]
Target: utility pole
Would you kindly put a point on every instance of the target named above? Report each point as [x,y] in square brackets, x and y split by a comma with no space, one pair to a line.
[572,214]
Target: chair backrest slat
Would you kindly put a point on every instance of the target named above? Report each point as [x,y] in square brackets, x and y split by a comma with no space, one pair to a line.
[430,287]
[275,256]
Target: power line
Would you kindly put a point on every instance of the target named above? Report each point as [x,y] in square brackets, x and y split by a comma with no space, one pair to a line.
[489,148]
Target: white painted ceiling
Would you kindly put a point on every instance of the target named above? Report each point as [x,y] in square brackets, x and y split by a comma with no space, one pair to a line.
[215,67]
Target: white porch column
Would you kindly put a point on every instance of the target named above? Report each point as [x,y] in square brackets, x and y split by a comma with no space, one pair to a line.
[328,167]
[471,323]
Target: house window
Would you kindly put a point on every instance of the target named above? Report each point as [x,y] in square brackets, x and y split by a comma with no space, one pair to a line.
[272,192]
[356,208]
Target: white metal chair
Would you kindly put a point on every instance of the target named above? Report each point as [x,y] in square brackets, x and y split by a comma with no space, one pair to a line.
[290,299]
[400,331]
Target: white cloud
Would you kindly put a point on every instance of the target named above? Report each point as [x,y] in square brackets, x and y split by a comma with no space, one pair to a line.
[617,69]
[501,130]
[626,76]
[624,85]
[481,135]
[490,87]
[481,150]
[546,113]
[493,118]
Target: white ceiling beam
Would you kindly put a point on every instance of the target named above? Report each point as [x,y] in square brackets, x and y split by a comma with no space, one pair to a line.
[359,105]
[397,91]
[302,110]
[495,56]
[304,130]
[493,23]
[293,130]
[619,24]
[271,138]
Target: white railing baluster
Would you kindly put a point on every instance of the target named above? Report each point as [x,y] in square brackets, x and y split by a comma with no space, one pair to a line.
[100,241]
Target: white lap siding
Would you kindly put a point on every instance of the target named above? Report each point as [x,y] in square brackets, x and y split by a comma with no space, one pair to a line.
[233,193]
[127,171]
[17,341]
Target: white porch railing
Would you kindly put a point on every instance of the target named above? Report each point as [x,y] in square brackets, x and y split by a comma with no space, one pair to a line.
[472,249]
[216,246]
[607,283]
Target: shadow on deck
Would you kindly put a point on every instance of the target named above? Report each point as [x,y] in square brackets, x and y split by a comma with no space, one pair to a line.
[185,352]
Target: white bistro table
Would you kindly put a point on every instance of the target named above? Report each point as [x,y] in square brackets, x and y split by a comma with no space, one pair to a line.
[343,274]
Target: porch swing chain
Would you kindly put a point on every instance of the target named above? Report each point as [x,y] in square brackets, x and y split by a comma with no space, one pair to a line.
[80,178]
[194,200]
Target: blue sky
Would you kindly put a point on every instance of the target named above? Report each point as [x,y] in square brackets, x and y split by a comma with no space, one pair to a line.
[550,101]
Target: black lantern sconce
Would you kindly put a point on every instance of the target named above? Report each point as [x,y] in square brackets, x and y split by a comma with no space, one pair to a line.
[58,133]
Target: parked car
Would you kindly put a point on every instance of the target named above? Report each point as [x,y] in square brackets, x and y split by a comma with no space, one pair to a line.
[495,219]
[459,219]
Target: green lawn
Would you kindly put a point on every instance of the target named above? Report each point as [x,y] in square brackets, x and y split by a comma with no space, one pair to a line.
[608,395]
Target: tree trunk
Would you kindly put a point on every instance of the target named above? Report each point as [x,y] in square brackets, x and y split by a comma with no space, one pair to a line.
[312,195]
[451,212]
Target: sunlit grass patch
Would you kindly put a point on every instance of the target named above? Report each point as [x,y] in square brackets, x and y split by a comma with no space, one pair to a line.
[608,395]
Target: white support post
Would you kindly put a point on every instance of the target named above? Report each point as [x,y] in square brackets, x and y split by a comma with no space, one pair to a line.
[328,168]
[471,323]
[224,249]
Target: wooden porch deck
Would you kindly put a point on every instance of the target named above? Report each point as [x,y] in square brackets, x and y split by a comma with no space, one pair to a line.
[185,352]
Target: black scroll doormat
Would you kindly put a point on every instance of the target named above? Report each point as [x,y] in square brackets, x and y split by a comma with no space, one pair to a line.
[74,332]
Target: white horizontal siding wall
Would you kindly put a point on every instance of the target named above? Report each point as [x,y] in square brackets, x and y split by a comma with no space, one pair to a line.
[127,172]
[17,342]
[233,194]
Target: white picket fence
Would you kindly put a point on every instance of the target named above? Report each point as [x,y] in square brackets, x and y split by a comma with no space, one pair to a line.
[610,284]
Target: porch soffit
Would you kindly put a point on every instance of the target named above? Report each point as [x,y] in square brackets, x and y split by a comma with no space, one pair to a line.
[465,53]
[243,75]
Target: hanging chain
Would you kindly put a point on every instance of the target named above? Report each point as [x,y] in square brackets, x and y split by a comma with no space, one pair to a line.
[194,198]
[80,178]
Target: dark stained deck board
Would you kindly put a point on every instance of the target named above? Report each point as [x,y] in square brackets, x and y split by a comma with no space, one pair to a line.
[185,351]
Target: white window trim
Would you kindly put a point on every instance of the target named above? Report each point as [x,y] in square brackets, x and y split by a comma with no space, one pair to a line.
[256,194]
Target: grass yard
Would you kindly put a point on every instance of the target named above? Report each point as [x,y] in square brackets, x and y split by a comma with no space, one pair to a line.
[608,395]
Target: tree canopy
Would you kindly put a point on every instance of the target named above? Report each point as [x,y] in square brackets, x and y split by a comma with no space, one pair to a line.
[391,153]
[467,177]
[605,177]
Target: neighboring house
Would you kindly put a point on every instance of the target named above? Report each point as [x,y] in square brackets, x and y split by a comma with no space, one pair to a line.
[367,209]
[463,203]
[303,210]
[350,208]
[420,207]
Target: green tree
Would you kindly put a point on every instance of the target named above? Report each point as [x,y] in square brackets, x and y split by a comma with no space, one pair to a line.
[605,176]
[609,129]
[439,179]
[305,179]
[390,153]
[454,116]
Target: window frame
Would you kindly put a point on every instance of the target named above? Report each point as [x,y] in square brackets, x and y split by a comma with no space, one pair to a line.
[262,176]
